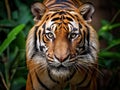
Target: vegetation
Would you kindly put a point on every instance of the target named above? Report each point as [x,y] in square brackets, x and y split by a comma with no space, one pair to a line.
[15,22]
[109,56]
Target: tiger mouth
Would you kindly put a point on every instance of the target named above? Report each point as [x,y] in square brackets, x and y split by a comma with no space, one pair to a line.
[61,65]
[61,71]
[56,65]
[59,68]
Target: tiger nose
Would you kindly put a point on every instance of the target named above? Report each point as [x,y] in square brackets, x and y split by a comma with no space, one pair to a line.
[61,58]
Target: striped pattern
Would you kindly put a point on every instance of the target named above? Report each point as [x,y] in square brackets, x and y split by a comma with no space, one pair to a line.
[62,4]
[62,49]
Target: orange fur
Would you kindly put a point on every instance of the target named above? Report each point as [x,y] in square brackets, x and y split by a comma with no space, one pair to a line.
[62,47]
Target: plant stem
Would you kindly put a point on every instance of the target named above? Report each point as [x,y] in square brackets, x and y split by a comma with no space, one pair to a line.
[114,26]
[8,9]
[7,70]
[7,76]
[115,16]
[3,80]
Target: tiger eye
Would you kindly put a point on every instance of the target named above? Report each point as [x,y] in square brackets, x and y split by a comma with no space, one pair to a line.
[73,35]
[50,35]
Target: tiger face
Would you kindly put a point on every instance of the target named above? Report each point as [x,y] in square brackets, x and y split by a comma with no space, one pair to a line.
[63,42]
[62,38]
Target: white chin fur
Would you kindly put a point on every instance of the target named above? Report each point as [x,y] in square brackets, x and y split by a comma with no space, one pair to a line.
[60,73]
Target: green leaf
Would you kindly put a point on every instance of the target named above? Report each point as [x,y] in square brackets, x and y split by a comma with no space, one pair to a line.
[109,27]
[11,36]
[113,43]
[20,41]
[104,22]
[105,35]
[109,54]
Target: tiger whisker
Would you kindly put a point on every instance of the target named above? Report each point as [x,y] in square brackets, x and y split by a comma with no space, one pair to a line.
[100,74]
[76,68]
[89,65]
[40,67]
[92,65]
[80,67]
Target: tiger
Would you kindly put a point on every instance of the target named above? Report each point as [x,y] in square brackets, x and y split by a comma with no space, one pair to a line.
[62,46]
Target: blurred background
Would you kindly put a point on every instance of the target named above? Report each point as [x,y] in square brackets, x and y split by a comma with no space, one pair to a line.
[15,22]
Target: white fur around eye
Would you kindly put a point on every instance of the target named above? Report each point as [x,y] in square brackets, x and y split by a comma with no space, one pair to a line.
[50,35]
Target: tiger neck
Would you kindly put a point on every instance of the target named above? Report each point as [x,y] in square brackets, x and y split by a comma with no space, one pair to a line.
[62,4]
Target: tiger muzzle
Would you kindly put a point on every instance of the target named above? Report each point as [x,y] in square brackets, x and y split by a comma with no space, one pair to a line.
[61,48]
[62,58]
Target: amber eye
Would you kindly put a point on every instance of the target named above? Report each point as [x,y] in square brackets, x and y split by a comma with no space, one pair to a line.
[73,35]
[50,35]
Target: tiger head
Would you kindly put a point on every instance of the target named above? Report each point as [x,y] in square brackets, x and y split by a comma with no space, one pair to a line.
[62,40]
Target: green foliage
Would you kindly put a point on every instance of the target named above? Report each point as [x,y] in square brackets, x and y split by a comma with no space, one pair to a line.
[111,53]
[11,36]
[14,26]
[109,56]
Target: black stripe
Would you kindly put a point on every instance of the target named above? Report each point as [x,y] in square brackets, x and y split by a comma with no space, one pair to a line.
[84,52]
[80,26]
[77,18]
[71,76]
[88,84]
[59,1]
[68,1]
[47,17]
[68,18]
[85,77]
[51,77]
[70,14]
[43,39]
[40,82]
[41,47]
[31,81]
[88,35]
[39,34]
[62,12]
[43,26]
[54,14]
[33,55]
[67,4]
[35,39]
[93,48]
[84,39]
[43,34]
[35,42]
[80,43]
[54,19]
[85,48]
[50,4]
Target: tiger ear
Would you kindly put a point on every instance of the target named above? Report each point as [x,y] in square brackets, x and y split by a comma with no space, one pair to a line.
[38,10]
[87,10]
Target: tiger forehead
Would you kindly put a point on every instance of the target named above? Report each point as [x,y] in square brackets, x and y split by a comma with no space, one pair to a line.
[62,15]
[62,18]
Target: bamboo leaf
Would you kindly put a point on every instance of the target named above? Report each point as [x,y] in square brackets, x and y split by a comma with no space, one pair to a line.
[11,36]
[113,43]
[109,54]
